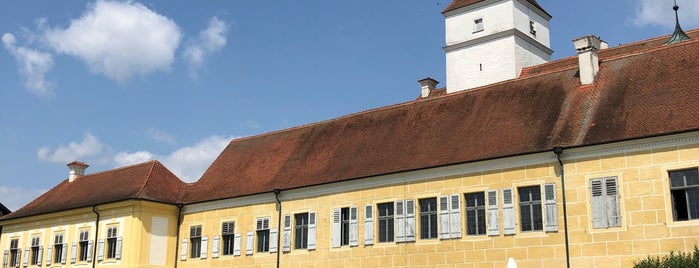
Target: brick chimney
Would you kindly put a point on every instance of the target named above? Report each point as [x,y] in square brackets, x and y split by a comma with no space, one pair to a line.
[77,169]
[588,57]
[427,85]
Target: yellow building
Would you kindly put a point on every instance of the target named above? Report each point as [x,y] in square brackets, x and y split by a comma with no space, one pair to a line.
[587,161]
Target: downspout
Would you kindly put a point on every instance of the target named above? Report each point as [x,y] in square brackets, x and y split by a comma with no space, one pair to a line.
[279,224]
[177,236]
[97,231]
[559,151]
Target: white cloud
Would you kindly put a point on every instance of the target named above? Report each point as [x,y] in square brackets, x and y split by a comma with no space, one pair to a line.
[210,40]
[15,198]
[189,163]
[33,66]
[654,12]
[119,39]
[90,146]
[161,136]
[125,158]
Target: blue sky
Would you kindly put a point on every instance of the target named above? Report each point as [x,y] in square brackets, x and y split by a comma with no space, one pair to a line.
[113,83]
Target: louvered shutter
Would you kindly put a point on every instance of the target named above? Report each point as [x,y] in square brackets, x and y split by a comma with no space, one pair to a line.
[215,246]
[353,226]
[551,209]
[493,215]
[26,257]
[236,244]
[183,250]
[409,220]
[120,241]
[249,243]
[336,228]
[18,259]
[311,230]
[64,253]
[399,226]
[5,254]
[204,247]
[612,202]
[599,214]
[40,257]
[287,233]
[73,252]
[368,225]
[49,250]
[444,232]
[90,244]
[100,249]
[455,216]
[508,212]
[273,238]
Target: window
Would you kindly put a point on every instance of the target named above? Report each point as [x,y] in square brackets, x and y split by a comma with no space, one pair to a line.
[531,28]
[478,25]
[58,249]
[428,218]
[111,242]
[605,203]
[83,244]
[262,229]
[475,213]
[14,253]
[195,240]
[301,231]
[35,251]
[385,222]
[684,187]
[228,237]
[530,208]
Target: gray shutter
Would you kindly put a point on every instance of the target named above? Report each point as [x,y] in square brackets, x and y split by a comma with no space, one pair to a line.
[64,253]
[508,212]
[236,244]
[249,243]
[41,256]
[612,202]
[353,226]
[273,238]
[183,250]
[90,244]
[493,215]
[409,220]
[444,232]
[599,214]
[287,234]
[551,209]
[26,257]
[100,250]
[18,259]
[73,252]
[455,216]
[49,250]
[120,241]
[368,225]
[399,226]
[311,230]
[4,258]
[336,228]
[204,247]
[215,246]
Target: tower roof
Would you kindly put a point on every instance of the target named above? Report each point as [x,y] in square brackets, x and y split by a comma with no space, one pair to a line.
[679,35]
[456,4]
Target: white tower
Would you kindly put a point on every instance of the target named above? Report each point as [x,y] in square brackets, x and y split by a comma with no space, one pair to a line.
[489,41]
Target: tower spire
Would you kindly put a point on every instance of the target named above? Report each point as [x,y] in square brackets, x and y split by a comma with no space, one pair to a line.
[679,35]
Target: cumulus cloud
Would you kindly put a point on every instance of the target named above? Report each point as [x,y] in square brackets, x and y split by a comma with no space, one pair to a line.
[90,146]
[189,163]
[160,136]
[119,39]
[210,40]
[654,12]
[15,198]
[33,66]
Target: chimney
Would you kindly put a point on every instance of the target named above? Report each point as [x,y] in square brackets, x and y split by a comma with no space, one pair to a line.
[77,169]
[588,57]
[427,85]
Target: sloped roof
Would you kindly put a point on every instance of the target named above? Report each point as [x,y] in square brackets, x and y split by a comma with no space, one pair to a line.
[641,91]
[146,181]
[456,4]
[4,210]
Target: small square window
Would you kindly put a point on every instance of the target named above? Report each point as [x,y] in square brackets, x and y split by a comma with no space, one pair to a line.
[478,25]
[531,28]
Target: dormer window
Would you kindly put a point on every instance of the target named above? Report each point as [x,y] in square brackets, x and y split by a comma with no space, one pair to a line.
[531,28]
[478,25]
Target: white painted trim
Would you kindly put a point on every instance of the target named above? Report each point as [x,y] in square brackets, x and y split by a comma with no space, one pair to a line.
[498,35]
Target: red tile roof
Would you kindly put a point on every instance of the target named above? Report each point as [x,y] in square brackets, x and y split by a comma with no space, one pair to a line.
[146,181]
[456,4]
[639,92]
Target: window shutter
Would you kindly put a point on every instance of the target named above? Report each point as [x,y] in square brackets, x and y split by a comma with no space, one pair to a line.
[40,257]
[455,216]
[215,246]
[368,225]
[236,244]
[73,251]
[409,220]
[311,230]
[508,212]
[612,202]
[19,257]
[26,257]
[204,246]
[4,258]
[353,226]
[551,209]
[287,233]
[49,250]
[273,240]
[444,232]
[100,249]
[120,241]
[336,227]
[249,243]
[183,250]
[400,221]
[64,253]
[599,214]
[90,244]
[493,215]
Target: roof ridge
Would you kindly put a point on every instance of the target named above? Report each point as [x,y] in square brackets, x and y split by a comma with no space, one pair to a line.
[649,50]
[147,177]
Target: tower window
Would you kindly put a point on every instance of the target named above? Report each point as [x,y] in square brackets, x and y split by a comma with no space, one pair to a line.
[478,25]
[531,28]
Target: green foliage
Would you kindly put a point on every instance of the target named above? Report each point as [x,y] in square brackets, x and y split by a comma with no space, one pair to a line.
[674,260]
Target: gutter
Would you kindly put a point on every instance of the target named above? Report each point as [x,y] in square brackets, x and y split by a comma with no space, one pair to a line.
[177,236]
[97,231]
[559,151]
[279,224]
